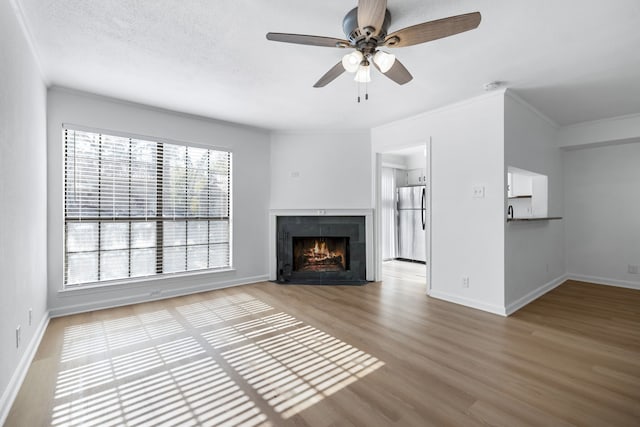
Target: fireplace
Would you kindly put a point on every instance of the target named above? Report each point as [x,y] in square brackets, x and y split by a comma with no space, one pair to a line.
[321,250]
[320,254]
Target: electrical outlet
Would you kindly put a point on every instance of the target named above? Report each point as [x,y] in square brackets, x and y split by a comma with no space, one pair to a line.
[30,316]
[294,174]
[18,337]
[478,192]
[155,293]
[632,269]
[465,282]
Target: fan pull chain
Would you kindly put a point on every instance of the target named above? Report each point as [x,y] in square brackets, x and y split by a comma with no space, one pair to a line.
[366,91]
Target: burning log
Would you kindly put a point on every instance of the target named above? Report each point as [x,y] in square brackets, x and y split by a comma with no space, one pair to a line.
[329,260]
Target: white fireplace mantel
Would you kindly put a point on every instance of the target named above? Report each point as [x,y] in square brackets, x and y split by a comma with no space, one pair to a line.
[275,213]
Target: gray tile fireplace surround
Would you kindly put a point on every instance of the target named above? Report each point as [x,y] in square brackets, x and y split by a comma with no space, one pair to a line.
[350,227]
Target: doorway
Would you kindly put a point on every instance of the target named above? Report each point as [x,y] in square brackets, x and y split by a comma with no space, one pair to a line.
[404,219]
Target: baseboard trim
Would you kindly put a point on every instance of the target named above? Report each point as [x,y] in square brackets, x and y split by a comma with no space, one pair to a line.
[535,294]
[467,302]
[604,281]
[144,297]
[19,374]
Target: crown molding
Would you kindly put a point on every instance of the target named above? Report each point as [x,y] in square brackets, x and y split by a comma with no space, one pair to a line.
[517,98]
[22,21]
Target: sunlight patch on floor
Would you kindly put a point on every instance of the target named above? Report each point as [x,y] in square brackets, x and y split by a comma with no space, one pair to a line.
[294,370]
[132,370]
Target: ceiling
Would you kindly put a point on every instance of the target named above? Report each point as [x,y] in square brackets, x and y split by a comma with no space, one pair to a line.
[575,60]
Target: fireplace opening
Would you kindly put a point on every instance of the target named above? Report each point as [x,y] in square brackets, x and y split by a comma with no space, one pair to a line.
[321,250]
[321,254]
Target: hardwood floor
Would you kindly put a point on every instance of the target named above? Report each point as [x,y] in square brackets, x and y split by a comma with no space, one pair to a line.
[376,355]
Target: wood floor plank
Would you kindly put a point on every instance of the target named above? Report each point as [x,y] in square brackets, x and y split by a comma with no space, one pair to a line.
[383,354]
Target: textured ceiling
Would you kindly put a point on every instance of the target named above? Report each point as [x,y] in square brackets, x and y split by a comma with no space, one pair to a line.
[575,60]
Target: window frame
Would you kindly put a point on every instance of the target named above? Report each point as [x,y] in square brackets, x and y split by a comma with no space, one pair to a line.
[159,218]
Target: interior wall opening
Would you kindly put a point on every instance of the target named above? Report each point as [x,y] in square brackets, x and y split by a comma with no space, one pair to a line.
[403,196]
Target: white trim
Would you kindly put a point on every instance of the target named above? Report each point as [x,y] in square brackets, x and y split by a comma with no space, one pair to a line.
[377,189]
[368,223]
[514,96]
[608,143]
[128,282]
[320,212]
[429,210]
[478,305]
[599,121]
[22,21]
[604,281]
[321,131]
[146,297]
[19,374]
[535,294]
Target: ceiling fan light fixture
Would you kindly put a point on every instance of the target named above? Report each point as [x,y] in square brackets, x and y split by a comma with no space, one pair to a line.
[363,75]
[366,30]
[384,60]
[351,61]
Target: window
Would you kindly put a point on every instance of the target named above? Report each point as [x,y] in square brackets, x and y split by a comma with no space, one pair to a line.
[136,207]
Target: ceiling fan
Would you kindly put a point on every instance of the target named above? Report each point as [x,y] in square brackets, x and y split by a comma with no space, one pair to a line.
[366,29]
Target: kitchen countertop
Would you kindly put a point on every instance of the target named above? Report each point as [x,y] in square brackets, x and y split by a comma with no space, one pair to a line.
[546,218]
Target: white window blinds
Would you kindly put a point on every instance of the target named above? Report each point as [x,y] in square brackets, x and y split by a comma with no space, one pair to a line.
[137,208]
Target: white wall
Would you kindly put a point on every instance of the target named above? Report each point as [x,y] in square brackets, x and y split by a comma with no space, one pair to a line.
[467,233]
[23,195]
[535,259]
[250,194]
[320,170]
[394,161]
[602,207]
[415,161]
[600,132]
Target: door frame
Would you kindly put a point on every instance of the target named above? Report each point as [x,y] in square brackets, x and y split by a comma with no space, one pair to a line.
[378,206]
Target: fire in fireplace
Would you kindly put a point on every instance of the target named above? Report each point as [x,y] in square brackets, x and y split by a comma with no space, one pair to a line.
[320,254]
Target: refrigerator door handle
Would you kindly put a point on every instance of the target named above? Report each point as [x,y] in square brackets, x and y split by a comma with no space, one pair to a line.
[423,207]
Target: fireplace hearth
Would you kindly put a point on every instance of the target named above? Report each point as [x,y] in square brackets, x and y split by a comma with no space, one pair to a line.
[327,250]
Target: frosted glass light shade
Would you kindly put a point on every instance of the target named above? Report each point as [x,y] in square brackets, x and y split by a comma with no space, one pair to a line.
[363,75]
[351,61]
[384,60]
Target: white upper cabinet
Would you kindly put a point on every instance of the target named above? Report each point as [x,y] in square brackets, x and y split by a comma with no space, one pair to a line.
[416,177]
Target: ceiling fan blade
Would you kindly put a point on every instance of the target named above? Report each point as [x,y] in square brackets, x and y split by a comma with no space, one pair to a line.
[433,30]
[307,40]
[330,76]
[371,13]
[398,73]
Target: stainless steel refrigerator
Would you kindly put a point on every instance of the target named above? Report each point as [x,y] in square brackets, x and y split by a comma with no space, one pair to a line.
[411,204]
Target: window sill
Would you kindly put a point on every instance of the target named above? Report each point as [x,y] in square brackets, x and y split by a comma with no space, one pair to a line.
[139,281]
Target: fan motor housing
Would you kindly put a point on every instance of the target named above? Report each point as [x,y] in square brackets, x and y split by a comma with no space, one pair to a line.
[352,30]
